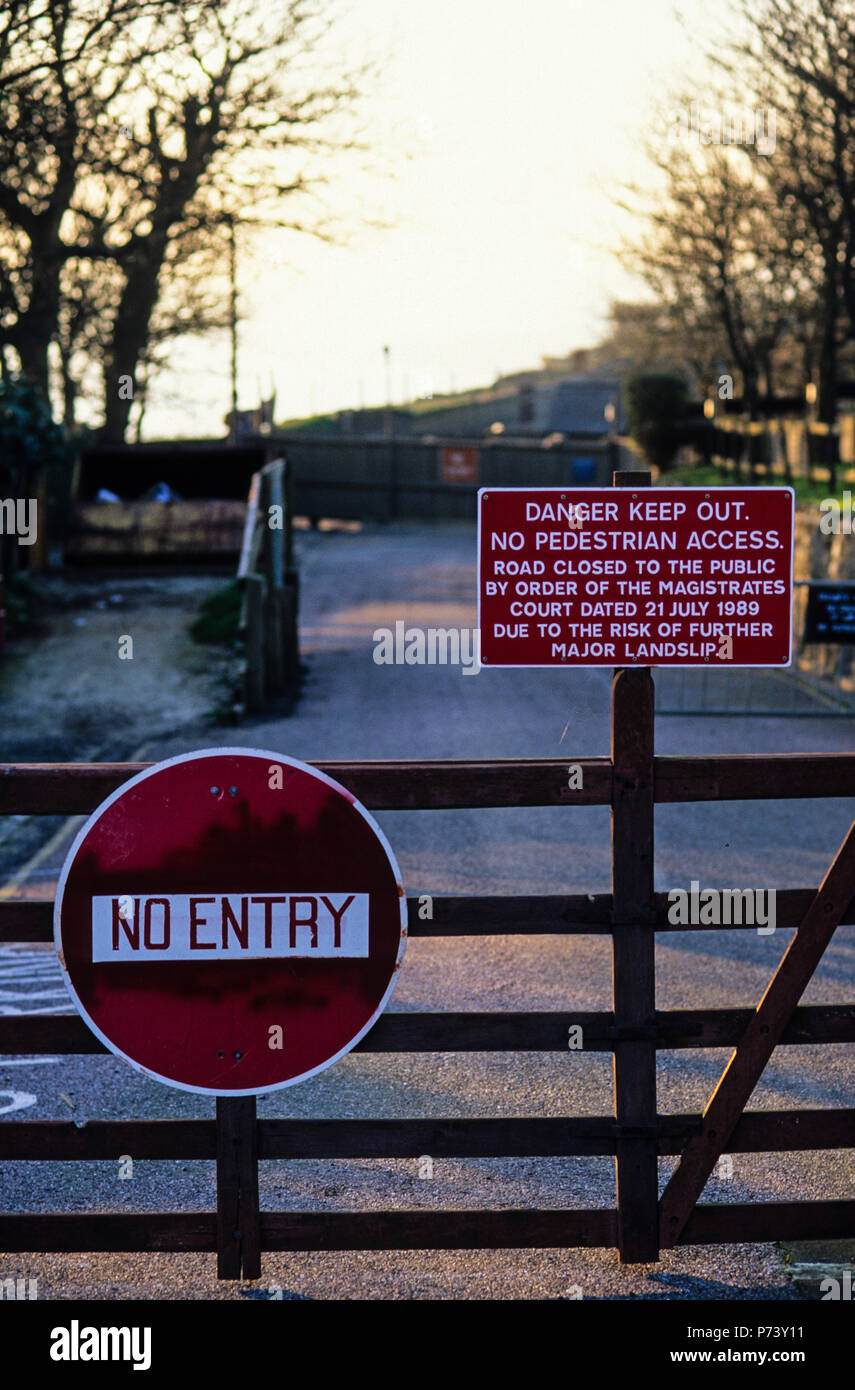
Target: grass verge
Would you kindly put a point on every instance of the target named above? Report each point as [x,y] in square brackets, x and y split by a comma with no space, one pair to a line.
[218,621]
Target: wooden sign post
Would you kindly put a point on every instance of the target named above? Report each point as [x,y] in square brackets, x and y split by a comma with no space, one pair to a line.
[633,953]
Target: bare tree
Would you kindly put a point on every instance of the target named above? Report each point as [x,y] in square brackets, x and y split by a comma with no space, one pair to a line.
[132,133]
[61,61]
[730,265]
[796,59]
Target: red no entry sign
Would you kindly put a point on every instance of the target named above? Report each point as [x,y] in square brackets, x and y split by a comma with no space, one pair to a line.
[230,921]
[653,577]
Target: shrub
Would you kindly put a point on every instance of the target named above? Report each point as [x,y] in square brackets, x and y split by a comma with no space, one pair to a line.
[29,438]
[656,405]
[219,617]
[31,446]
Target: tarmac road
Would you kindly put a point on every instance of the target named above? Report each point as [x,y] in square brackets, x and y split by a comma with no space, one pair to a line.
[352,584]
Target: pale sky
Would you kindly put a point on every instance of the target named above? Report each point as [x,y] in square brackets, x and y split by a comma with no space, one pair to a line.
[505,125]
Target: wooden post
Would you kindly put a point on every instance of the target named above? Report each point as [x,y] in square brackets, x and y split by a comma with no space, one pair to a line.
[266,562]
[274,570]
[238,1221]
[393,480]
[276,536]
[274,656]
[255,684]
[289,611]
[833,457]
[633,954]
[288,474]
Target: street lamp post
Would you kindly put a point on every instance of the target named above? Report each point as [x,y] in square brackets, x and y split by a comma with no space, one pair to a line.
[388,366]
[230,222]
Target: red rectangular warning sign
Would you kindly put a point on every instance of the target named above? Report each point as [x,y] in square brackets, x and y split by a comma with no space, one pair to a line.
[458,465]
[653,576]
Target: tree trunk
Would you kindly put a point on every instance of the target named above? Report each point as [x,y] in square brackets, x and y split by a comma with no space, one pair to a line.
[826,400]
[768,378]
[142,401]
[752,393]
[130,337]
[36,328]
[69,395]
[33,352]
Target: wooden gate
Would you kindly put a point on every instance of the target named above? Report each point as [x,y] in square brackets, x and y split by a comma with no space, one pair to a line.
[631,781]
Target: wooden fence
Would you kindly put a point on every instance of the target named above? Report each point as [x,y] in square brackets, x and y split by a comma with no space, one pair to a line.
[631,781]
[402,479]
[781,450]
[270,583]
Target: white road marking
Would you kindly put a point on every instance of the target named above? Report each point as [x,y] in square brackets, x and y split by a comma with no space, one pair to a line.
[9,1010]
[29,1061]
[20,1100]
[27,972]
[31,983]
[6,995]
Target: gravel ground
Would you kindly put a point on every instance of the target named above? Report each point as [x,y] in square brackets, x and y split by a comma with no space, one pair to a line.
[353,708]
[68,697]
[67,689]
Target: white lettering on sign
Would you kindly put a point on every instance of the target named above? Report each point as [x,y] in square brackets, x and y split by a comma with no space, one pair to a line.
[228,926]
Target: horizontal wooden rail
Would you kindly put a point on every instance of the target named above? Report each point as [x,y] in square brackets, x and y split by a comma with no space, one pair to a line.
[761,1131]
[77,788]
[285,1230]
[108,1139]
[577,914]
[769,1221]
[25,1034]
[510,1229]
[755,777]
[811,1023]
[48,1232]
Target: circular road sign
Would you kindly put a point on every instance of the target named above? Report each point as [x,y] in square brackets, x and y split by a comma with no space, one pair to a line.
[230,921]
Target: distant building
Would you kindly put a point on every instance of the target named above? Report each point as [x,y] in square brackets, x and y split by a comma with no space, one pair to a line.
[577,406]
[585,406]
[557,398]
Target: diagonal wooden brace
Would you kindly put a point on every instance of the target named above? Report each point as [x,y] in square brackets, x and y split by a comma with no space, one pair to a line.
[762,1035]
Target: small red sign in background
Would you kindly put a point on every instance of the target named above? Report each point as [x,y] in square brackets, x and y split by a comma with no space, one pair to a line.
[458,465]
